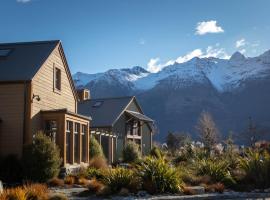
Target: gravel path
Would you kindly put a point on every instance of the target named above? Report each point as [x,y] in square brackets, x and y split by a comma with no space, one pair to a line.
[72,193]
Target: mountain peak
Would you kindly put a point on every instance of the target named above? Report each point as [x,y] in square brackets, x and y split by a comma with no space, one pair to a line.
[237,56]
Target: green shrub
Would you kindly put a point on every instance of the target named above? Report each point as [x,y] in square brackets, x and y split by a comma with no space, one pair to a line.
[256,166]
[218,170]
[131,152]
[10,169]
[41,160]
[156,152]
[95,173]
[158,176]
[119,178]
[95,150]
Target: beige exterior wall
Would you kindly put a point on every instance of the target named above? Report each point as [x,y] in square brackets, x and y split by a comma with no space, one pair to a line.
[12,115]
[43,85]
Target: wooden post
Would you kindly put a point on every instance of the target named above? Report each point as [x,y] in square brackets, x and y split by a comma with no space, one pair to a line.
[72,143]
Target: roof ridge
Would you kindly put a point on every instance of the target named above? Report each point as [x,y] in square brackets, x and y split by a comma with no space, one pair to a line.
[31,42]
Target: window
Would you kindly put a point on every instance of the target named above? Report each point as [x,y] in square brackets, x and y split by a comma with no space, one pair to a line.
[4,52]
[84,143]
[86,95]
[77,142]
[51,129]
[68,134]
[57,79]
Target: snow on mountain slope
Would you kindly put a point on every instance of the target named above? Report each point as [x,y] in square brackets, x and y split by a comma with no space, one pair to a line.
[122,76]
[223,74]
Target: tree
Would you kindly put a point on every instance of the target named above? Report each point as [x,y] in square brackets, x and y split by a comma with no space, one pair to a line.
[207,130]
[131,152]
[41,160]
[176,140]
[95,150]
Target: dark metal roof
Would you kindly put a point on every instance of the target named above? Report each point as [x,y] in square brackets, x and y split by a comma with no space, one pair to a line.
[105,113]
[139,116]
[24,59]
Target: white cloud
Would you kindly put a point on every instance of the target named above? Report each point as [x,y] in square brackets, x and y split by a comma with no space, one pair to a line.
[208,27]
[23,1]
[154,64]
[240,43]
[242,51]
[189,56]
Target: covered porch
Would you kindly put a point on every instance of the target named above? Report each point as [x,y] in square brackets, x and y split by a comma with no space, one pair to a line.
[135,122]
[108,142]
[70,131]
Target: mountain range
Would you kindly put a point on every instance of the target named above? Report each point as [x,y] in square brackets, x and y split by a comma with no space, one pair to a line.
[232,90]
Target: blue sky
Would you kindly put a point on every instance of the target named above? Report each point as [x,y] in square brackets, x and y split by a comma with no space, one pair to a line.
[99,35]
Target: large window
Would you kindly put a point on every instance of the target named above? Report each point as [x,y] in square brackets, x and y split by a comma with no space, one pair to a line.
[57,79]
[68,143]
[84,143]
[133,128]
[51,129]
[77,142]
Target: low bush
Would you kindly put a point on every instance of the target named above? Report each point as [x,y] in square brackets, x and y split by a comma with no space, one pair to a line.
[156,152]
[218,170]
[69,180]
[256,166]
[98,163]
[83,181]
[159,177]
[131,152]
[95,173]
[26,192]
[95,149]
[119,178]
[95,186]
[36,191]
[55,182]
[41,159]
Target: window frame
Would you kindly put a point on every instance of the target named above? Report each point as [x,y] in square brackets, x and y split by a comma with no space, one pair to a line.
[57,86]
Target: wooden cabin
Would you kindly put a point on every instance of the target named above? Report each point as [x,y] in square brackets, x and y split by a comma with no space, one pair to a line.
[117,121]
[37,93]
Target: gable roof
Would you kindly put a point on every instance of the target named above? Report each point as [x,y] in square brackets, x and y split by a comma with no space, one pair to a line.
[24,59]
[105,114]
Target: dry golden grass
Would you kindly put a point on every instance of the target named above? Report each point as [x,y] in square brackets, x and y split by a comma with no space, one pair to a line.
[26,192]
[55,182]
[69,180]
[83,181]
[95,186]
[36,191]
[98,163]
[188,191]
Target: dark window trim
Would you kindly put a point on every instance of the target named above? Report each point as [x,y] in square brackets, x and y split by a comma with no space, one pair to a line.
[55,89]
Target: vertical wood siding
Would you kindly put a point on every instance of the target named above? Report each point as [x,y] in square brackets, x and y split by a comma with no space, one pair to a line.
[43,85]
[11,113]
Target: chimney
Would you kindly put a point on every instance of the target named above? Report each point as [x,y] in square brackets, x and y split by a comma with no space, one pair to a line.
[83,94]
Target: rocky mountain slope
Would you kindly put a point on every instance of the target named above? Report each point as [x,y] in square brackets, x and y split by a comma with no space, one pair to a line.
[231,90]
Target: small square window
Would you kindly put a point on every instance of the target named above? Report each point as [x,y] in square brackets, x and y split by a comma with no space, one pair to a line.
[57,79]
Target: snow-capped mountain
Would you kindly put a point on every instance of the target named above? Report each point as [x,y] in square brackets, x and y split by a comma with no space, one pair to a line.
[122,76]
[231,90]
[223,74]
